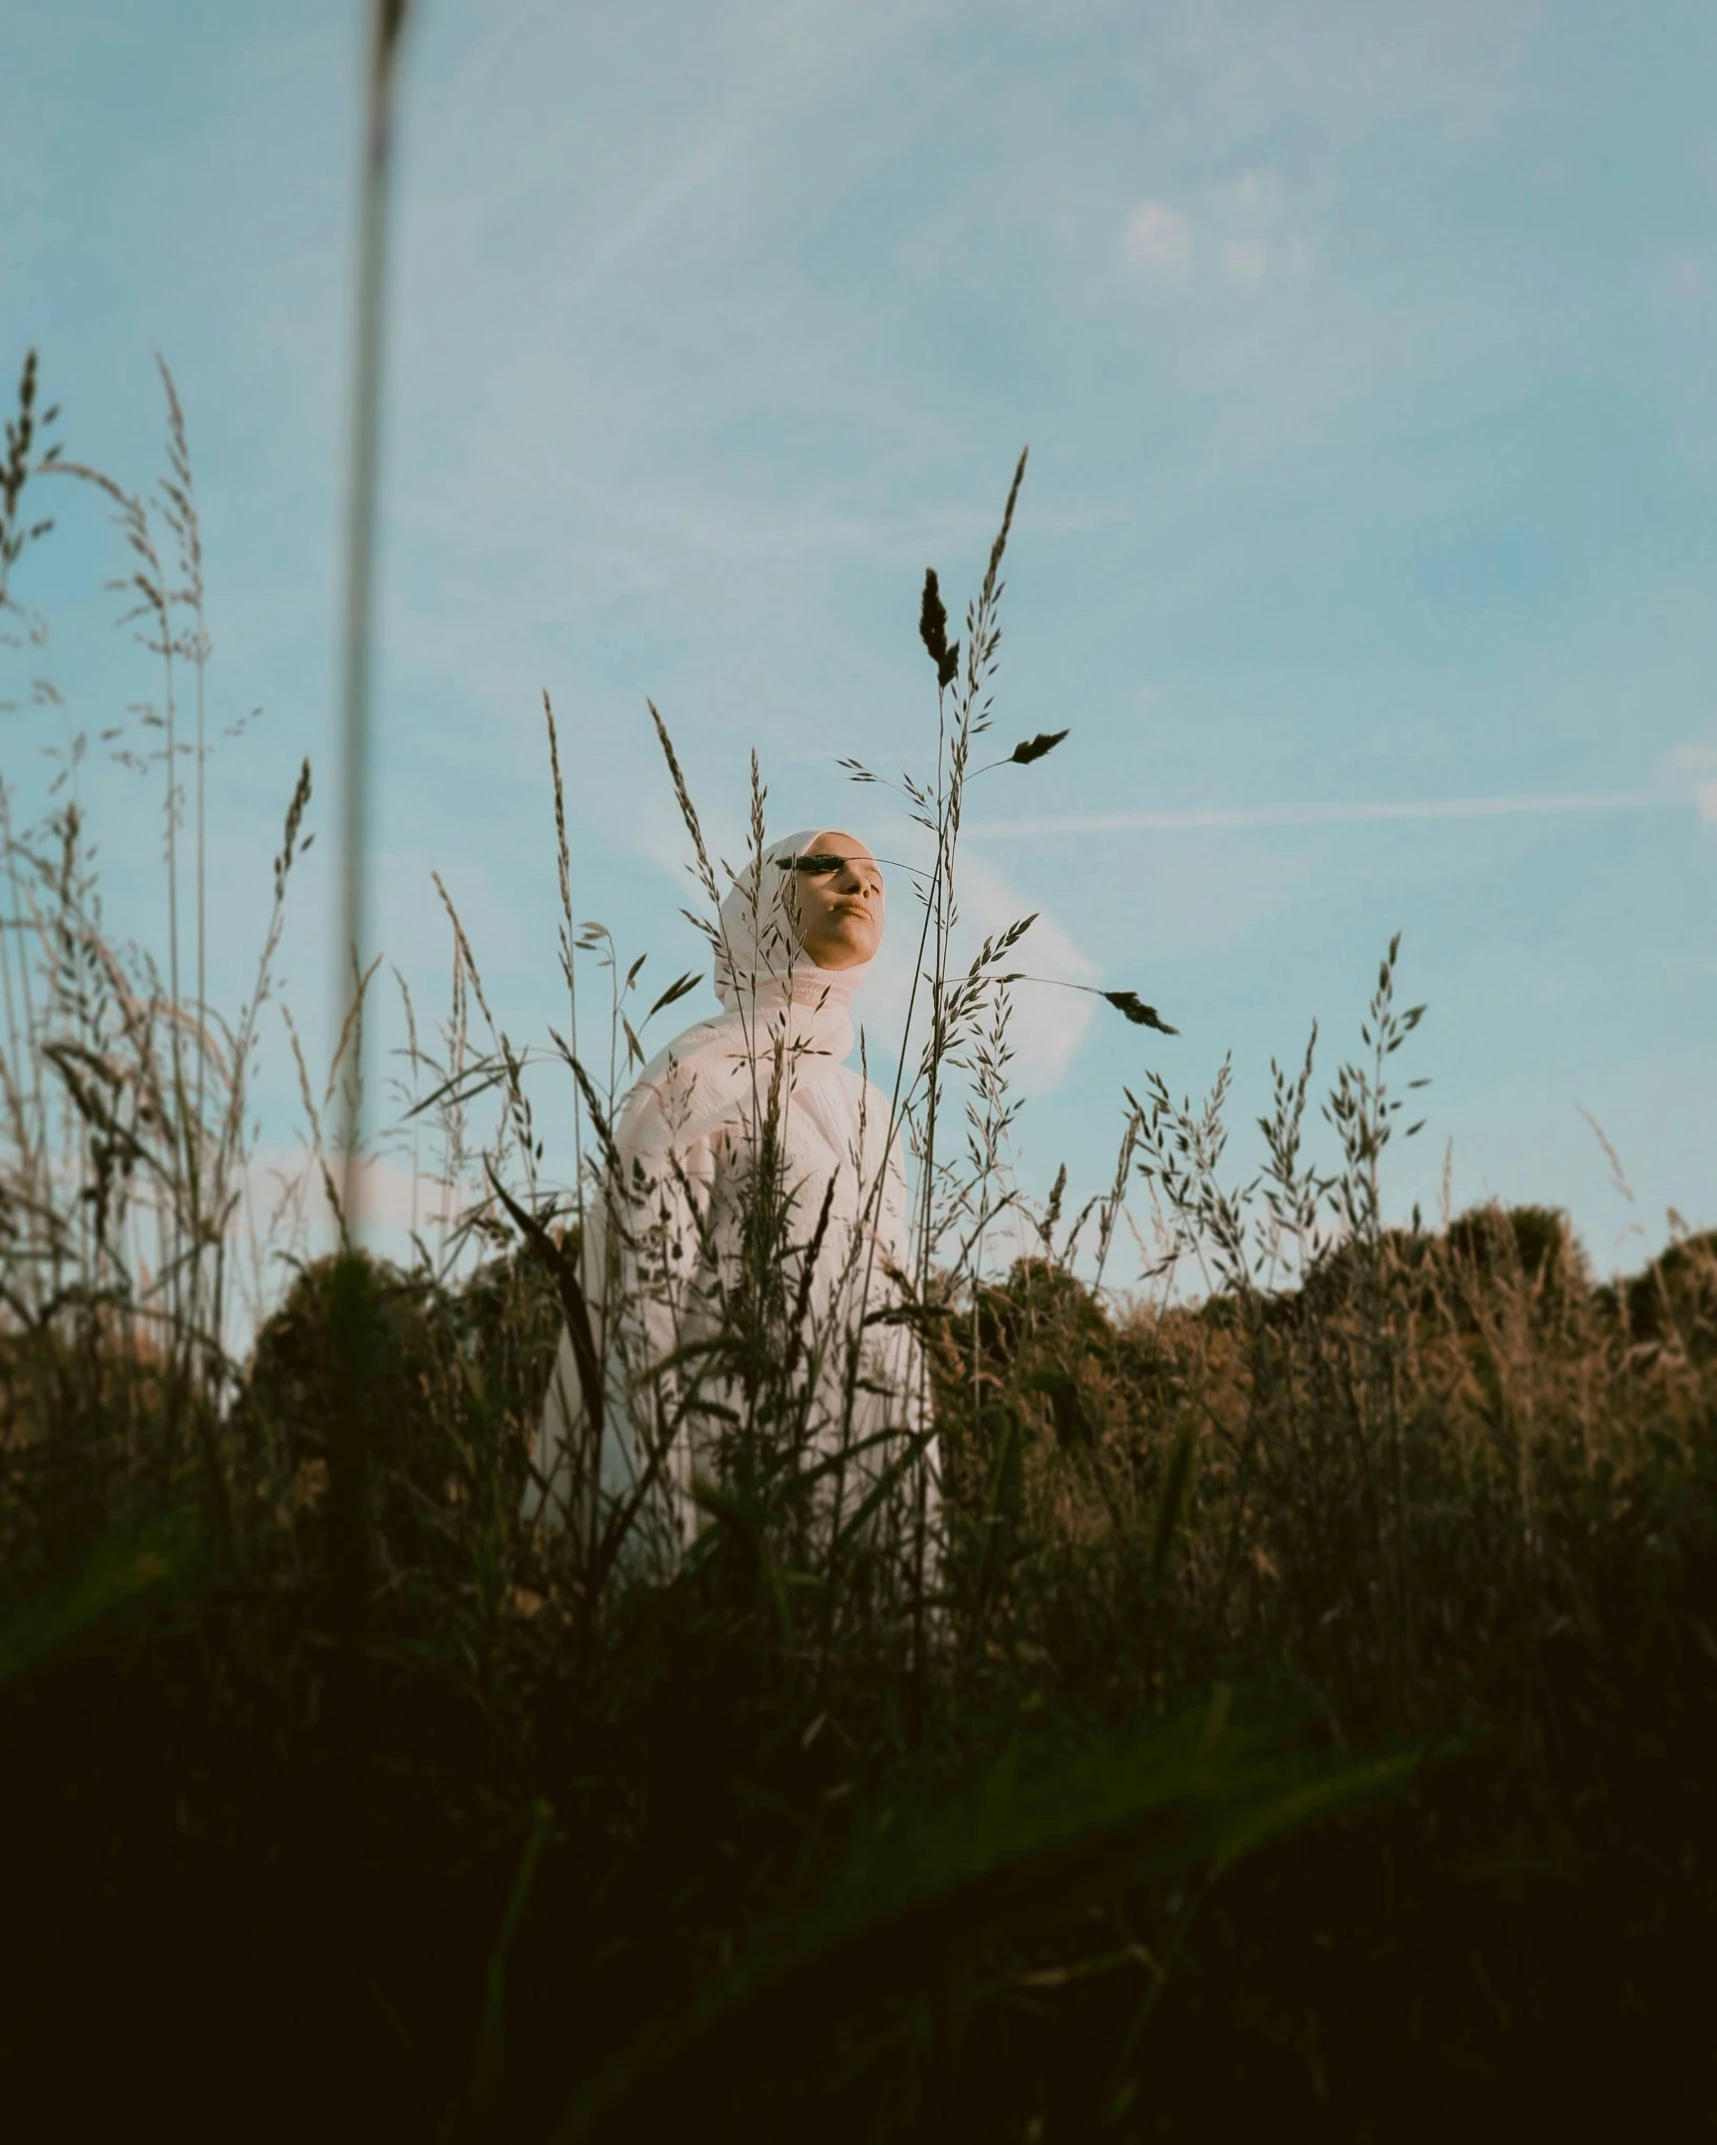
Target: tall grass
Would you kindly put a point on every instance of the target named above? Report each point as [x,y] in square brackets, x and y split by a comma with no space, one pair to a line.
[1283,1699]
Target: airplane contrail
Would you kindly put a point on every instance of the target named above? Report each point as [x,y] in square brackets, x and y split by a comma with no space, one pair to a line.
[1238,818]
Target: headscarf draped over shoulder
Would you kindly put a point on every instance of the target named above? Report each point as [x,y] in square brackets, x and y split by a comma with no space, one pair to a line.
[772,994]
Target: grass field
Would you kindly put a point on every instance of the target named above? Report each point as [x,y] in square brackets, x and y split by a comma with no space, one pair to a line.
[1305,1723]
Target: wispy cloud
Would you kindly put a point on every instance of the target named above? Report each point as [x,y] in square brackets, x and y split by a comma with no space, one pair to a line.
[698,171]
[1157,239]
[1239,818]
[1048,1024]
[1245,259]
[1699,760]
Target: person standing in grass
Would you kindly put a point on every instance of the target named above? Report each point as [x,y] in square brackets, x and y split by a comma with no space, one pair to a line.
[744,1261]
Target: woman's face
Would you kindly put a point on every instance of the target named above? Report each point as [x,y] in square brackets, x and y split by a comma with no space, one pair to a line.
[836,900]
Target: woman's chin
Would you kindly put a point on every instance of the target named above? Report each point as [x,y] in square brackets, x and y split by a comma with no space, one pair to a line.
[840,951]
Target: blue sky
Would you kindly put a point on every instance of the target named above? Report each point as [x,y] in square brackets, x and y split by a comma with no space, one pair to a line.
[1368,545]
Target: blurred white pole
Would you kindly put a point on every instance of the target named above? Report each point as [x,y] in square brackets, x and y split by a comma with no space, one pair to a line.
[387,21]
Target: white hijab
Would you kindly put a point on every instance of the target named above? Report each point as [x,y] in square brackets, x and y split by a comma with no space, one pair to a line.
[773,995]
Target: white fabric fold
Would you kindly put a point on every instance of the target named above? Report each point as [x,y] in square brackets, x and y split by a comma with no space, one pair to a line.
[771,994]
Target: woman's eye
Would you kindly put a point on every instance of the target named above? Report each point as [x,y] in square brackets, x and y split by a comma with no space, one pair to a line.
[823,864]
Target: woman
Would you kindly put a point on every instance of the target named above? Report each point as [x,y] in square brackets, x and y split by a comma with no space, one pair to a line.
[745,1254]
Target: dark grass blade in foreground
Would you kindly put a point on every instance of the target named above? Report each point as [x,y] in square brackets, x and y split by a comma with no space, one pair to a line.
[1034,748]
[933,632]
[909,1905]
[1140,1014]
[352,1334]
[1127,1002]
[1025,752]
[387,23]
